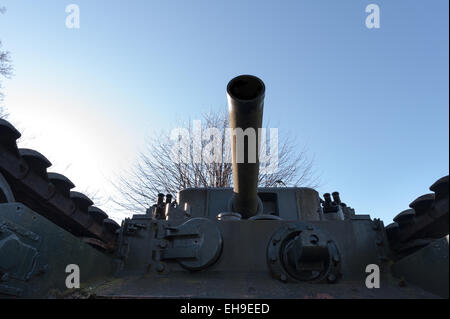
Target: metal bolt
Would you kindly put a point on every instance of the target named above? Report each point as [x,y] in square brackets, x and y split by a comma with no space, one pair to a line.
[160,268]
[314,239]
[4,277]
[291,226]
[379,242]
[43,269]
[283,278]
[309,227]
[163,244]
[277,238]
[273,259]
[331,278]
[335,258]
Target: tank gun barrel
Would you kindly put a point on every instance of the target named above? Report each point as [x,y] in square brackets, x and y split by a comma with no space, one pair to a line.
[245,107]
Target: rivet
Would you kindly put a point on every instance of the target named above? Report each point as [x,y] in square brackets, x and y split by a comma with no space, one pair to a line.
[331,278]
[335,258]
[277,238]
[163,244]
[160,268]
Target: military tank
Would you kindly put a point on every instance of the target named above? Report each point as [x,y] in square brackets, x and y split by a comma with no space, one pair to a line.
[240,242]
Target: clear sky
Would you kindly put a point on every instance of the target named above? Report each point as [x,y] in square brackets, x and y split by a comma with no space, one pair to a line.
[371,105]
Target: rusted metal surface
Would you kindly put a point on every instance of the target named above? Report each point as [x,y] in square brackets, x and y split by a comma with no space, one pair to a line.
[256,285]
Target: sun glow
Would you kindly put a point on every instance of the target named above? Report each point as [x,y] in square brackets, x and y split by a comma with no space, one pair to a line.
[90,148]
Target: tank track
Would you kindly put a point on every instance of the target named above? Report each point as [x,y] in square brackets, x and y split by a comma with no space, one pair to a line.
[49,194]
[426,220]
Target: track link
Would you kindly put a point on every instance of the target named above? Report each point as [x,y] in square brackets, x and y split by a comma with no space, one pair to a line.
[425,221]
[49,194]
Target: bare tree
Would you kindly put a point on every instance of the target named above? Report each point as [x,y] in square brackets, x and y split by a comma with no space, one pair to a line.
[5,66]
[3,113]
[5,71]
[156,171]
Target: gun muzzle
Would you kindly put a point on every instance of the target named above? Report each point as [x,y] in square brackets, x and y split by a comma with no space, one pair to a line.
[245,106]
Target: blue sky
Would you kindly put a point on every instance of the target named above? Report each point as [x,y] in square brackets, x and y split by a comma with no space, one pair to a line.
[371,105]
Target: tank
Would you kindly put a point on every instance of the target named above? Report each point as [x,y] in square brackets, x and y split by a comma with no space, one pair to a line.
[240,242]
